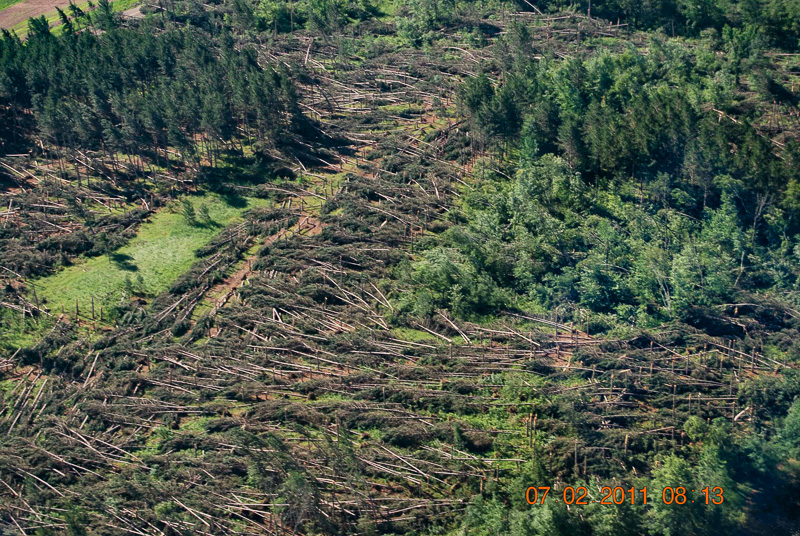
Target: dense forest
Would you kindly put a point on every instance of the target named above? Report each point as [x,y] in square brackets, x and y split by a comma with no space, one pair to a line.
[358,267]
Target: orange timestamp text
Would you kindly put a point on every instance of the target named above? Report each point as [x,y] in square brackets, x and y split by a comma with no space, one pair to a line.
[618,495]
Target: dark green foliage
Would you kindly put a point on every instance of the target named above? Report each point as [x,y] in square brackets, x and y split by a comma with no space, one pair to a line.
[774,19]
[144,90]
[625,198]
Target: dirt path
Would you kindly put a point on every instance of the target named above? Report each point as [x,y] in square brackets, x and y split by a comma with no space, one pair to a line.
[133,13]
[219,294]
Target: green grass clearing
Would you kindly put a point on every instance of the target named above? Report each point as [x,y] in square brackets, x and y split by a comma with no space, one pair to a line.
[412,335]
[162,251]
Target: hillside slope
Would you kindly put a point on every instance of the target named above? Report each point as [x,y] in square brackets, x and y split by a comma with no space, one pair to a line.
[441,254]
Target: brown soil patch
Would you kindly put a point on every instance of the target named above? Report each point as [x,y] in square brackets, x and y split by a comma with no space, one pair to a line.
[13,15]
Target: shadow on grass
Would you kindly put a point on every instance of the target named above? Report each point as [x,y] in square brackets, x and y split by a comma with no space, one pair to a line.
[234,200]
[207,224]
[123,262]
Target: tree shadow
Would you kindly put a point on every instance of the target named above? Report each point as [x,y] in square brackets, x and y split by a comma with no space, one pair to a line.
[7,182]
[234,200]
[208,224]
[123,262]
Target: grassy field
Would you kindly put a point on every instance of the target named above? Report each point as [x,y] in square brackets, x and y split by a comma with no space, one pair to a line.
[163,250]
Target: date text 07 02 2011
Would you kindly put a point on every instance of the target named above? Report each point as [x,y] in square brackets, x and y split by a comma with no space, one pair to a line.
[618,495]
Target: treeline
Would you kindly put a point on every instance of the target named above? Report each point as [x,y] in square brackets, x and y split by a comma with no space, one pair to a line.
[778,21]
[154,95]
[280,16]
[621,192]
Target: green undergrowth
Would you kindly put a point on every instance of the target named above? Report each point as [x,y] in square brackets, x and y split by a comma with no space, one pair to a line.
[17,333]
[412,335]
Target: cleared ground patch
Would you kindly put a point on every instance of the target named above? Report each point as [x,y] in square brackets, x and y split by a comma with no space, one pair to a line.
[164,249]
[6,3]
[14,14]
